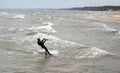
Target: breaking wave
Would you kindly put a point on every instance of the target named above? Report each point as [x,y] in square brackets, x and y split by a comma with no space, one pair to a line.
[46,27]
[57,45]
[27,43]
[92,52]
[13,16]
[4,13]
[18,16]
[104,27]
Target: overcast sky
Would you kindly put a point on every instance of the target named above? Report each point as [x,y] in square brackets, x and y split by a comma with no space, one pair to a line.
[55,3]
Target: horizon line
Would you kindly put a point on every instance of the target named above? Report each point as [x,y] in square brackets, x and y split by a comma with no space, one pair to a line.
[61,7]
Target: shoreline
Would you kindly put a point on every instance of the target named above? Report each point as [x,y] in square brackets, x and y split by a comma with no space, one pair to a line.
[109,17]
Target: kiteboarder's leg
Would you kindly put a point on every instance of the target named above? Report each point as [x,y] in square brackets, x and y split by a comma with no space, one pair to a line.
[45,54]
[46,50]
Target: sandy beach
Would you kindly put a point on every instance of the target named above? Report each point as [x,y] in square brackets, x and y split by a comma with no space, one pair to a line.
[110,17]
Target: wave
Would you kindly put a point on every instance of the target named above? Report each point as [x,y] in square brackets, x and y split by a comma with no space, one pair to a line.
[48,23]
[4,13]
[48,16]
[12,29]
[54,52]
[26,44]
[118,32]
[103,27]
[34,14]
[45,28]
[65,47]
[14,16]
[60,18]
[18,16]
[38,12]
[57,46]
[48,27]
[92,52]
[108,28]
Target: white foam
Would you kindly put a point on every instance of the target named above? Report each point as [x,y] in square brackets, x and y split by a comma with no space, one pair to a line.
[108,28]
[38,12]
[11,29]
[34,14]
[4,13]
[118,32]
[103,27]
[54,41]
[92,53]
[91,17]
[19,16]
[54,52]
[60,18]
[48,23]
[40,19]
[48,16]
[88,52]
[46,28]
[15,29]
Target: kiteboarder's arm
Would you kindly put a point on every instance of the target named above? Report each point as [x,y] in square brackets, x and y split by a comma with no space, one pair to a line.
[44,40]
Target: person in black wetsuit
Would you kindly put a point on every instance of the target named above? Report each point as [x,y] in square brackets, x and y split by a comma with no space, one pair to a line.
[41,43]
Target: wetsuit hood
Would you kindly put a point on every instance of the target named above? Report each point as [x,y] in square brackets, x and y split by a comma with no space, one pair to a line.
[38,39]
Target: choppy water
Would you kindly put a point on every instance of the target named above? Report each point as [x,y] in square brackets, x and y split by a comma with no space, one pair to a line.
[80,43]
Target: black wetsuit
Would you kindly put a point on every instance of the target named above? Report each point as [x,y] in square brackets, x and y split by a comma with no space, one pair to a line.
[41,43]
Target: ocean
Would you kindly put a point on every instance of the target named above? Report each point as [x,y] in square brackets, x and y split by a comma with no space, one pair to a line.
[79,42]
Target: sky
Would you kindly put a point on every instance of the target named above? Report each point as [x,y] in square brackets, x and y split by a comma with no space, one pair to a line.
[55,3]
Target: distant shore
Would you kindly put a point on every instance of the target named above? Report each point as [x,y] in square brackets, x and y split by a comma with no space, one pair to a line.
[95,8]
[110,17]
